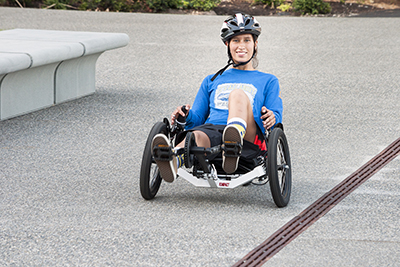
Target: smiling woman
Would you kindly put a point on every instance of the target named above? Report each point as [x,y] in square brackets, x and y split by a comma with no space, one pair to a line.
[243,49]
[233,107]
[235,26]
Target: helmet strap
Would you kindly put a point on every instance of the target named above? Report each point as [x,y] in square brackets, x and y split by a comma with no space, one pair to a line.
[230,62]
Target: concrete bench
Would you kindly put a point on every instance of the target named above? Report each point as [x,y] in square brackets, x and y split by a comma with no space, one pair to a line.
[40,68]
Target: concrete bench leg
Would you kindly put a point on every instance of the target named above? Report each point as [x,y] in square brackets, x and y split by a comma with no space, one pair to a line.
[27,90]
[75,78]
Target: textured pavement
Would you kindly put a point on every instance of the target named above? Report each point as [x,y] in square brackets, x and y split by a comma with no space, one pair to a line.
[69,174]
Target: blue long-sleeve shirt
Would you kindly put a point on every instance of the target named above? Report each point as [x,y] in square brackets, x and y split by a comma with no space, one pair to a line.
[211,102]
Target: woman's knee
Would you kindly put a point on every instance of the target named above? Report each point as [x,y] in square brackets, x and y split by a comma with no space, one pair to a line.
[202,139]
[239,102]
[238,95]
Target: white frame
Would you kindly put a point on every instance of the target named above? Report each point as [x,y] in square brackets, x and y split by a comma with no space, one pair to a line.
[214,181]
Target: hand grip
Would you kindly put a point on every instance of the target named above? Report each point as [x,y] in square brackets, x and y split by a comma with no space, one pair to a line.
[182,119]
[263,112]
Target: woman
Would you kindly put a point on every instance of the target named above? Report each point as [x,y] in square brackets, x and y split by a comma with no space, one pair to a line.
[233,103]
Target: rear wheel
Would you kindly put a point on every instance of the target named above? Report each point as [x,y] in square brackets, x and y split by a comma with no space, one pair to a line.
[150,178]
[279,167]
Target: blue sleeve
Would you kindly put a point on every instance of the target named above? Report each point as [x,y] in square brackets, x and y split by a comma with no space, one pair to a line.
[273,101]
[200,110]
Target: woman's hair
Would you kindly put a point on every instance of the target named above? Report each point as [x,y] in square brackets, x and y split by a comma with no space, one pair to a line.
[254,62]
[255,59]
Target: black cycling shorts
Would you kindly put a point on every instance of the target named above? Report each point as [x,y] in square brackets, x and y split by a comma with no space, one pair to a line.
[214,132]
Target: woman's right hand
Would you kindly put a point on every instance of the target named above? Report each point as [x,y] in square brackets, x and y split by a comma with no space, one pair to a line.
[179,111]
[268,118]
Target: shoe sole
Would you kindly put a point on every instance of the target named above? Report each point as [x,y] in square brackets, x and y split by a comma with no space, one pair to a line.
[231,135]
[167,170]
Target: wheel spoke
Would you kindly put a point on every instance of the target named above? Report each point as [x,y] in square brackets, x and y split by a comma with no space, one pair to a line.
[282,166]
[283,182]
[154,175]
[280,151]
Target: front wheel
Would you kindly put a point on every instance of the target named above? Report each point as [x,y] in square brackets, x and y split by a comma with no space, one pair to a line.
[279,167]
[150,178]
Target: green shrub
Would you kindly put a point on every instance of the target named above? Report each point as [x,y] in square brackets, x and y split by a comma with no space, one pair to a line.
[271,3]
[160,5]
[204,5]
[285,7]
[111,5]
[89,4]
[312,7]
[57,4]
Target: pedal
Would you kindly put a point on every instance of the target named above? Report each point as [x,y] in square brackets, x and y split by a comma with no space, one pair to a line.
[162,153]
[232,149]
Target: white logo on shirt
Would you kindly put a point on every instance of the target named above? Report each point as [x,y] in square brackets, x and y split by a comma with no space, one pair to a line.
[223,91]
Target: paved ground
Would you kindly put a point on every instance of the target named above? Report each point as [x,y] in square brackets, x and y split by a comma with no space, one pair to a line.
[69,175]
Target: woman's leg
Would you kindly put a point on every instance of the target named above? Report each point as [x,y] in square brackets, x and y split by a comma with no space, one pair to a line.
[239,106]
[202,140]
[169,169]
[240,125]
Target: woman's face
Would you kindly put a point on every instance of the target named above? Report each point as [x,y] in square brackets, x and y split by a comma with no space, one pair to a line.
[242,47]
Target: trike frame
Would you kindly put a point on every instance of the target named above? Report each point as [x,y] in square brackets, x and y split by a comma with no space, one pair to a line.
[274,166]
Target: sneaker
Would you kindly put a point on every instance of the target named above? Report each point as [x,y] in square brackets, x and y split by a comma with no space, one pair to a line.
[166,161]
[230,157]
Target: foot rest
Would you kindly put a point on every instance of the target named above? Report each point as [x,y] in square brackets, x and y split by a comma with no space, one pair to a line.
[232,149]
[162,153]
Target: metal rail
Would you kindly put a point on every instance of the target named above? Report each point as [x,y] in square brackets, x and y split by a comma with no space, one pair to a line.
[319,208]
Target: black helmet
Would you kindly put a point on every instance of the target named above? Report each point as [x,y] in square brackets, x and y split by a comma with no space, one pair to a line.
[240,24]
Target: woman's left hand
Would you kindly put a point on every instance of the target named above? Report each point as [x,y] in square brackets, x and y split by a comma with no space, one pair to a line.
[268,118]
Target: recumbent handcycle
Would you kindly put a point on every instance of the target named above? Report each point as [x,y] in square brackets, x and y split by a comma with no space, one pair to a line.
[203,166]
